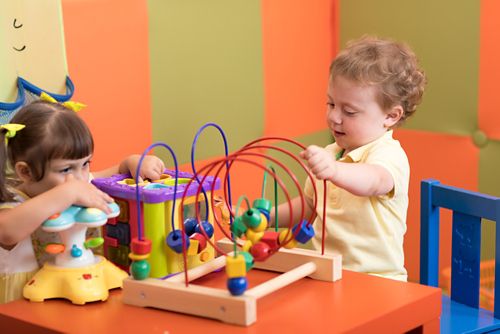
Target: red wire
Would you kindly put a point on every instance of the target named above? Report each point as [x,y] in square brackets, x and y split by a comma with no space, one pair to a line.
[236,157]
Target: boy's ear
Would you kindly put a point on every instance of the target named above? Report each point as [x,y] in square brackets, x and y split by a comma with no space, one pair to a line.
[23,171]
[393,116]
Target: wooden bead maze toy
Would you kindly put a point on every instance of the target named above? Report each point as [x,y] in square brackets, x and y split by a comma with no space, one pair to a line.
[249,244]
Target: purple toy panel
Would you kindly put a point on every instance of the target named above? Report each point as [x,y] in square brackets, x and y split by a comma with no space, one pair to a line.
[158,191]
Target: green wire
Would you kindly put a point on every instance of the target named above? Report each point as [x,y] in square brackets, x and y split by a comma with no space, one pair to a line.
[237,209]
[264,181]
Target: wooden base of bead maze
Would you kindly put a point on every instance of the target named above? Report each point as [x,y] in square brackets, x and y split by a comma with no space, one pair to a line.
[173,295]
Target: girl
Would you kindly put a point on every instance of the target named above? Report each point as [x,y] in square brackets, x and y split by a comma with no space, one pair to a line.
[49,149]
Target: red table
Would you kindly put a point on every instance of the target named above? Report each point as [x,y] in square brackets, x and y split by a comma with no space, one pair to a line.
[358,303]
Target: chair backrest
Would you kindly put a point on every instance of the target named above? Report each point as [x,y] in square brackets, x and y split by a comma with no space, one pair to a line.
[468,208]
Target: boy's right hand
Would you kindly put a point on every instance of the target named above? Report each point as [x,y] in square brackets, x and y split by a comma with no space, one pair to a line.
[320,161]
[87,195]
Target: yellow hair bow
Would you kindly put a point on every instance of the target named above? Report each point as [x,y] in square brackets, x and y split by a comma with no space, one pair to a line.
[11,130]
[75,106]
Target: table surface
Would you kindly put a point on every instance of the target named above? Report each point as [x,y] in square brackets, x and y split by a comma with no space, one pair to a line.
[357,303]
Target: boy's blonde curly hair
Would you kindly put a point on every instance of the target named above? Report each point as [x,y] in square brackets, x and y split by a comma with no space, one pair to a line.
[390,66]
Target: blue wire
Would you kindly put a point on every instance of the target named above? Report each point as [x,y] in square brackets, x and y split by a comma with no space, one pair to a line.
[137,195]
[226,151]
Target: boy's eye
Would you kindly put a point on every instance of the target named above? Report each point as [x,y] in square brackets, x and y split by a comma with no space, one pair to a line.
[349,112]
[330,105]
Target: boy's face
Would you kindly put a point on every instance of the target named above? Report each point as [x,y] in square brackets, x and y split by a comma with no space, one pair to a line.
[57,172]
[354,116]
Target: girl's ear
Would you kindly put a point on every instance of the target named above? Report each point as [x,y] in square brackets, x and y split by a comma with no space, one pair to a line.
[393,116]
[23,171]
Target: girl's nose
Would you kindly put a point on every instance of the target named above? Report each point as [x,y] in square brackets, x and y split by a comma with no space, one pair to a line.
[78,175]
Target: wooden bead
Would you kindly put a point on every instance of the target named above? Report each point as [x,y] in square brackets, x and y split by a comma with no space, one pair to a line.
[251,218]
[238,227]
[286,239]
[237,285]
[202,241]
[249,262]
[141,247]
[174,241]
[140,269]
[263,224]
[260,251]
[253,236]
[246,246]
[271,238]
[190,225]
[305,233]
[207,227]
[235,266]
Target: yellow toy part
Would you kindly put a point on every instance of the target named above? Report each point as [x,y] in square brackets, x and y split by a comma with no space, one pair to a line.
[79,285]
[236,266]
[285,236]
[253,236]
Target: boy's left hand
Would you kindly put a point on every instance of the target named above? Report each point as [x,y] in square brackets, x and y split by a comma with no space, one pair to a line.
[320,161]
[151,168]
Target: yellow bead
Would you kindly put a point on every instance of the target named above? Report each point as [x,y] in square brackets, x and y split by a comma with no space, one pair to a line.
[246,246]
[235,266]
[193,247]
[253,236]
[136,257]
[262,226]
[285,236]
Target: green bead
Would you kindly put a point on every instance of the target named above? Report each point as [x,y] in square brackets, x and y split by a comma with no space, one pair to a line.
[140,269]
[249,262]
[251,218]
[238,227]
[93,243]
[263,204]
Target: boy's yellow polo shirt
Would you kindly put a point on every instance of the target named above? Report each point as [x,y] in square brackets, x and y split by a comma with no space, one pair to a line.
[367,231]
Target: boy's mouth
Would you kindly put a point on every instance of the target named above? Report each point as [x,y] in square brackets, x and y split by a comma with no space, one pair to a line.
[338,133]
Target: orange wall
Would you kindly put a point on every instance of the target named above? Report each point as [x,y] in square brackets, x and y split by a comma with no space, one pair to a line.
[107,52]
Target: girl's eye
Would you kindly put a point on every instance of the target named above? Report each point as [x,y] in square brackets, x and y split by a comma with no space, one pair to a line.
[87,163]
[65,170]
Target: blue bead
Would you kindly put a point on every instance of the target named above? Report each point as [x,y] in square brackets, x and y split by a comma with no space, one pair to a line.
[190,225]
[306,232]
[265,213]
[75,251]
[209,229]
[174,241]
[237,285]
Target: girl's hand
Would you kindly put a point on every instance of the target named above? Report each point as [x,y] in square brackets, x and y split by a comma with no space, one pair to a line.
[86,194]
[151,168]
[321,162]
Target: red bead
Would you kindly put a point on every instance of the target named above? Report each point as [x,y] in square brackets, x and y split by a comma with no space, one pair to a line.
[141,247]
[202,241]
[260,251]
[271,238]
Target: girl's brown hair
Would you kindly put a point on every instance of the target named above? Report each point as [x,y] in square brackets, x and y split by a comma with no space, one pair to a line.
[52,132]
[390,66]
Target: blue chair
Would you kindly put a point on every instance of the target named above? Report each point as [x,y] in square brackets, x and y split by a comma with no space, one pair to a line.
[461,312]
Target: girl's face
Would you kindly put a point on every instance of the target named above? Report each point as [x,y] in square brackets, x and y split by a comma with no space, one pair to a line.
[57,172]
[354,116]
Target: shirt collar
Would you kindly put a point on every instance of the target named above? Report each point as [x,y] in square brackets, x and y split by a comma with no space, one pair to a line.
[357,154]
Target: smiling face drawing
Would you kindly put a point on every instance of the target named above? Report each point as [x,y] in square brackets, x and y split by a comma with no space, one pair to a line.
[32,46]
[17,25]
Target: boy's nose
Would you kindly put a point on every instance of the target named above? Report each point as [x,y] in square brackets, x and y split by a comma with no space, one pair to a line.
[335,117]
